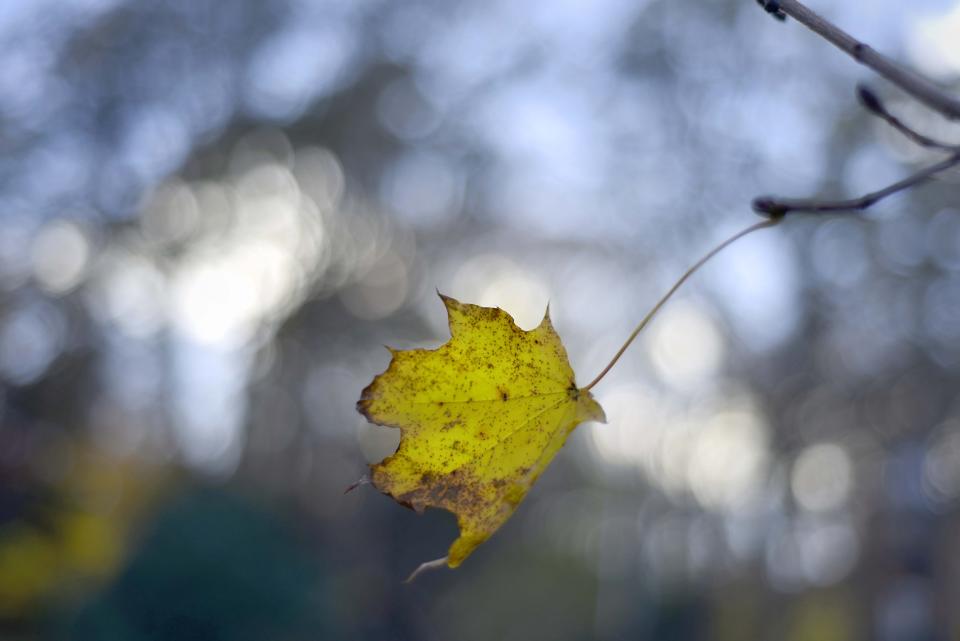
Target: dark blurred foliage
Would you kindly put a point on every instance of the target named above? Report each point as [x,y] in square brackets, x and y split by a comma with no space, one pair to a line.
[194,577]
[215,214]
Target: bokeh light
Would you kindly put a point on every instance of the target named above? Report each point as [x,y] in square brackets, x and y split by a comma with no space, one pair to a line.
[215,215]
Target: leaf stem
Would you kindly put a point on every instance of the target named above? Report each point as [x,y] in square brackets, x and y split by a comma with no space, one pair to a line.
[690,272]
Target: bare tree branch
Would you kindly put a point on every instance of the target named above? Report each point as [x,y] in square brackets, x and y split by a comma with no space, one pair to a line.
[774,207]
[872,103]
[914,84]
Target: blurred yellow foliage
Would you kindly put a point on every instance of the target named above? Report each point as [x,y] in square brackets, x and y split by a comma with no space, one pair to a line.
[84,529]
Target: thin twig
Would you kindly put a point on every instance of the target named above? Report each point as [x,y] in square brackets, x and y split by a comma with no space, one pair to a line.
[914,84]
[872,103]
[690,272]
[779,207]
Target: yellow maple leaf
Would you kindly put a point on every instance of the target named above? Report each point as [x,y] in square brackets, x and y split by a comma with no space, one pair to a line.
[484,414]
[481,418]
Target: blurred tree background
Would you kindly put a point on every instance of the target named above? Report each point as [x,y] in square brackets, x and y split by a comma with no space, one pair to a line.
[215,214]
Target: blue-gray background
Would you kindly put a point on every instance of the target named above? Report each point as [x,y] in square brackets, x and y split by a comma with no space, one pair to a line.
[214,214]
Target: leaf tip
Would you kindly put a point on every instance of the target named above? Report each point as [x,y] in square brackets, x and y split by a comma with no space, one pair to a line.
[363,405]
[600,416]
[424,567]
[455,311]
[546,322]
[363,480]
[589,409]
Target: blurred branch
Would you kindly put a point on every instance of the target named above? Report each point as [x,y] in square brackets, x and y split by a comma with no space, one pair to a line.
[913,83]
[778,207]
[872,103]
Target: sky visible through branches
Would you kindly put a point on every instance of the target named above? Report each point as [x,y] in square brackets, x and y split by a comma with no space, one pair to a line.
[214,214]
